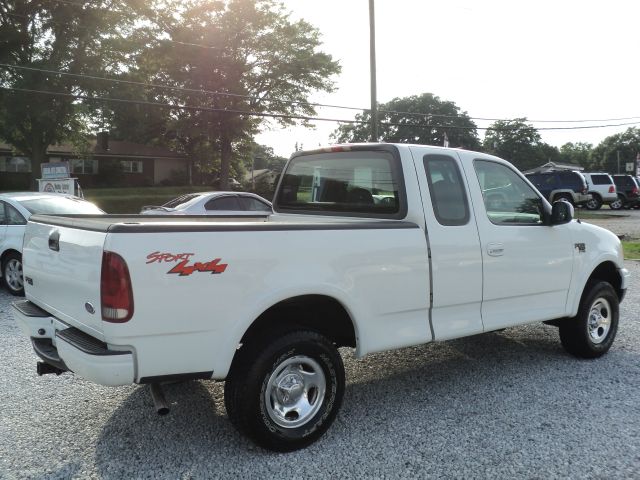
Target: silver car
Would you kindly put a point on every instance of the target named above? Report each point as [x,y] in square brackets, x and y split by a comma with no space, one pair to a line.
[15,210]
[213,203]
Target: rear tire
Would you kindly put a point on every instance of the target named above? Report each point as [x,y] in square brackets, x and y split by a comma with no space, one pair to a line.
[595,203]
[591,332]
[617,204]
[12,273]
[284,391]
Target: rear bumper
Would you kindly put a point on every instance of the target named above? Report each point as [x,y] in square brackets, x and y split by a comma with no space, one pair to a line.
[69,348]
[581,199]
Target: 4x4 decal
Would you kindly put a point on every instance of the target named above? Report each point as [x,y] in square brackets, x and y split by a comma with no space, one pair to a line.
[183,268]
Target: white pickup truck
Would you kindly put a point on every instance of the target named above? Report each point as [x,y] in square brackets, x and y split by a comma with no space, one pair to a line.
[371,246]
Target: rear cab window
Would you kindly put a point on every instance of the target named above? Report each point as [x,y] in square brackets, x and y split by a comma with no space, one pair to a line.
[360,183]
[448,195]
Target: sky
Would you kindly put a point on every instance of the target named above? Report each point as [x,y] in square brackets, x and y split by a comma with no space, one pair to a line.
[544,60]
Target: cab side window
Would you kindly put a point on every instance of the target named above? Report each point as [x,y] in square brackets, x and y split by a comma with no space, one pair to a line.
[508,199]
[448,195]
[223,204]
[13,217]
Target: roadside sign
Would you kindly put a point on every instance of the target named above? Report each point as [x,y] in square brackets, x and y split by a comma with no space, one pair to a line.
[630,167]
[64,185]
[54,170]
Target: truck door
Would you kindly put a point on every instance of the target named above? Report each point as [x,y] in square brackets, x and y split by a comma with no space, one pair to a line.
[526,264]
[452,236]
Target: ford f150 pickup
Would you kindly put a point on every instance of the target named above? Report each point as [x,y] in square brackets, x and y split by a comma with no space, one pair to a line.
[371,246]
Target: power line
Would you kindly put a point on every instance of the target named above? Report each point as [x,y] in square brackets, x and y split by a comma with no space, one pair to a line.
[169,87]
[178,107]
[293,102]
[283,116]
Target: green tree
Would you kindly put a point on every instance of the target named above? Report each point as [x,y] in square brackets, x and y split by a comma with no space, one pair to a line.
[80,37]
[422,119]
[624,146]
[578,153]
[516,141]
[254,56]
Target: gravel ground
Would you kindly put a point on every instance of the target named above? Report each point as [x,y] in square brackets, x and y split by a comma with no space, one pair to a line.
[500,405]
[620,222]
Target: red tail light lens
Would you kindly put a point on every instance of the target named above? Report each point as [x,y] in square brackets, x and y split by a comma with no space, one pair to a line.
[612,189]
[634,191]
[116,295]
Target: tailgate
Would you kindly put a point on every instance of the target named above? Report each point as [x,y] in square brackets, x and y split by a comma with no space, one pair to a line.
[62,268]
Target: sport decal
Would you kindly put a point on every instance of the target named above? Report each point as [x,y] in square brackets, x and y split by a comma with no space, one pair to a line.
[183,268]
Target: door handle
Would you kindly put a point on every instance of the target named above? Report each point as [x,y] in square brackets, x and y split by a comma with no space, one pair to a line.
[495,249]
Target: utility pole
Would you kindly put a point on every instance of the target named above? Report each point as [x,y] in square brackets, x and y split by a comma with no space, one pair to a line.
[618,155]
[372,57]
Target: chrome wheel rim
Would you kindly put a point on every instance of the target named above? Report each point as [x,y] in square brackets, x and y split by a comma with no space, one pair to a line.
[13,275]
[592,204]
[295,391]
[599,321]
[616,204]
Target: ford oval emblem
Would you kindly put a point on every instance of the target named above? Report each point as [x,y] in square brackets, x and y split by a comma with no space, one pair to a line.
[89,308]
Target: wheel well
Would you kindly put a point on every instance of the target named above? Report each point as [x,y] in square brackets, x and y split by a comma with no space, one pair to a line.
[320,313]
[5,253]
[607,272]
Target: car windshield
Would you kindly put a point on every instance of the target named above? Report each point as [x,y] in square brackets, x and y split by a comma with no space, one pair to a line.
[181,200]
[59,206]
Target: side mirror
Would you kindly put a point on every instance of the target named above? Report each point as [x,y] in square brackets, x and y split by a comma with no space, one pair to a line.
[561,212]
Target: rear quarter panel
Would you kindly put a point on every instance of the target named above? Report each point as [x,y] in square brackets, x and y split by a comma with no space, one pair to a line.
[194,322]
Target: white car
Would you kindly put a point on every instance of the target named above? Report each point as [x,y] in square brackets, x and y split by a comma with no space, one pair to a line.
[15,210]
[602,190]
[213,203]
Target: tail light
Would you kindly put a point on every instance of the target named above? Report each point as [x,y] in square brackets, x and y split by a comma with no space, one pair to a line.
[612,189]
[585,189]
[634,191]
[116,294]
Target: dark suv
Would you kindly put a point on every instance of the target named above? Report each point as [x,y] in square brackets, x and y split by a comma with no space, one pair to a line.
[628,192]
[561,184]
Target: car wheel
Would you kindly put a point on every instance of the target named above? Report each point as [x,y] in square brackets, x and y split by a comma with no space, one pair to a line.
[591,332]
[595,203]
[284,392]
[12,273]
[617,204]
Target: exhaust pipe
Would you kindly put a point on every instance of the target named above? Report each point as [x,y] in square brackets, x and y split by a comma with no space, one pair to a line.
[44,368]
[159,402]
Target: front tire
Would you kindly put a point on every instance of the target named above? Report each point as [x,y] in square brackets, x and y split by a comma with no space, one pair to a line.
[284,392]
[595,203]
[591,332]
[12,273]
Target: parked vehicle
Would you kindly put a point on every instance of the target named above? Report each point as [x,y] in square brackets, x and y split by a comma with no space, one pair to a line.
[627,190]
[265,303]
[15,209]
[555,185]
[212,203]
[602,190]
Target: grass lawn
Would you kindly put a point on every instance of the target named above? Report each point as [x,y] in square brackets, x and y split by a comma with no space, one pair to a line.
[131,200]
[631,250]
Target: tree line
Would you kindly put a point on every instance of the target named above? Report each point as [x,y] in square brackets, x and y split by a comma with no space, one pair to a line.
[427,119]
[180,73]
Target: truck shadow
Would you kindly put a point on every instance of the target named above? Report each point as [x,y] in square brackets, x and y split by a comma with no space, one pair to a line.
[431,390]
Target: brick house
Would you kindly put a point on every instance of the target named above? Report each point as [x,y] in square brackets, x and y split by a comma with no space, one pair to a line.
[106,163]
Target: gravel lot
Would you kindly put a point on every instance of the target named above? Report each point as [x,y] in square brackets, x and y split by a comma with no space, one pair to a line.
[620,222]
[501,405]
